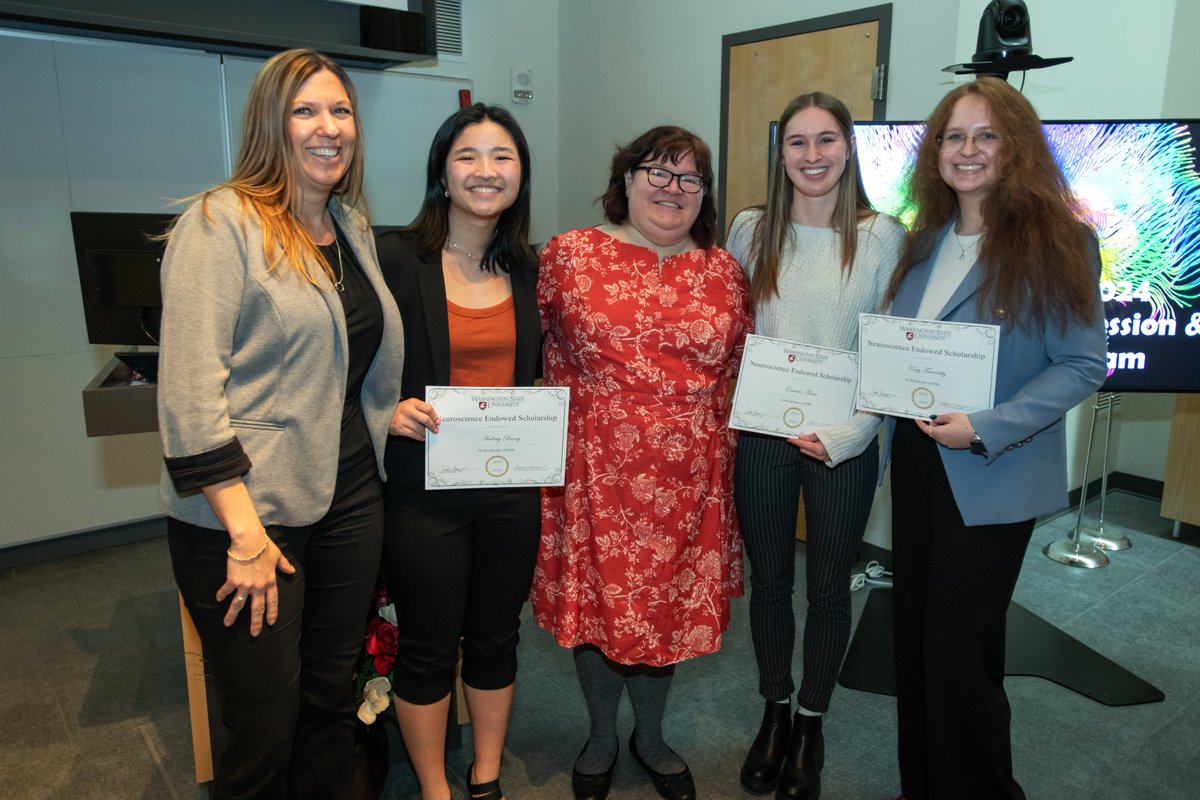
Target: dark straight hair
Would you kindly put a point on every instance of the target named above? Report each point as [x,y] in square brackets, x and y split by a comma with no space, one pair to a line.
[509,246]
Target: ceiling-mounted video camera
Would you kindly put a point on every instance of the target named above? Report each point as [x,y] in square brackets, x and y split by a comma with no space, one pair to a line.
[1004,43]
[1003,29]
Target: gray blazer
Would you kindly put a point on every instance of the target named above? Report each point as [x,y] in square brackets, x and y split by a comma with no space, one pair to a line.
[259,357]
[1040,375]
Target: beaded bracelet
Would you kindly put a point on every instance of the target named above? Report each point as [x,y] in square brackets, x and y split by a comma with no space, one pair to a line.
[248,559]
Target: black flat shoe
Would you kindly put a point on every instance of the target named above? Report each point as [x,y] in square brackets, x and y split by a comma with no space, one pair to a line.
[483,791]
[588,786]
[677,786]
[800,777]
[760,770]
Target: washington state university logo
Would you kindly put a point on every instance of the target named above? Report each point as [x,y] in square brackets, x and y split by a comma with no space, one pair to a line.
[483,405]
[791,357]
[909,335]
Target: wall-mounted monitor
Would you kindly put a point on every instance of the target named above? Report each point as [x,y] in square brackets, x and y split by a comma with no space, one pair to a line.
[119,262]
[1139,183]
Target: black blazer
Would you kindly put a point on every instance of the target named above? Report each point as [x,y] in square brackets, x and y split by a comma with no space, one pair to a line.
[420,291]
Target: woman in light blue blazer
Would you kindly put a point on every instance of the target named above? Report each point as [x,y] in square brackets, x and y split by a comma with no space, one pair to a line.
[996,240]
[282,353]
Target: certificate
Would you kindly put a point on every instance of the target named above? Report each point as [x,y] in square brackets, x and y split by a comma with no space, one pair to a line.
[492,437]
[786,389]
[918,368]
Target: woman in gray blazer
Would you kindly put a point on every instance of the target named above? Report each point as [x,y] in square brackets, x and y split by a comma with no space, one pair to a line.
[280,370]
[996,241]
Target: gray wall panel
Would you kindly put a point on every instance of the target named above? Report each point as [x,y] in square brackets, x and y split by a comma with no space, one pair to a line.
[40,310]
[143,125]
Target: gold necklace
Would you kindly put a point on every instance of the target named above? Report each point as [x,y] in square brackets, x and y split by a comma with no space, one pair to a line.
[341,287]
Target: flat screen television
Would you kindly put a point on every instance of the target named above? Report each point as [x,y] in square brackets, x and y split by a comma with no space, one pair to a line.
[1139,182]
[119,265]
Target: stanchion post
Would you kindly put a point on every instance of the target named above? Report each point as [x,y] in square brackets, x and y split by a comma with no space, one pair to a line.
[1072,551]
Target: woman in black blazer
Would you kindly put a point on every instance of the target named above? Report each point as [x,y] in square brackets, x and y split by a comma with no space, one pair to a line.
[459,562]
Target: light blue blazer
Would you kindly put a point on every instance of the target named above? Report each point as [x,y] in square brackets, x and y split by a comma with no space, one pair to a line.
[1040,375]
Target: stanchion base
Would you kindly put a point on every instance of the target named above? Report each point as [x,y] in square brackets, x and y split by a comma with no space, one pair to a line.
[1105,537]
[1065,551]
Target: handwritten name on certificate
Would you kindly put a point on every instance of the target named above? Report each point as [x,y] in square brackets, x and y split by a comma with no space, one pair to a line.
[492,437]
[786,388]
[917,367]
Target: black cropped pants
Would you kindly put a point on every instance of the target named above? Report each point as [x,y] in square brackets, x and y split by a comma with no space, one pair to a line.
[459,563]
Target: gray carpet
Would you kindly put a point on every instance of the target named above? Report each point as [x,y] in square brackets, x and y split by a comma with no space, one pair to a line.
[93,704]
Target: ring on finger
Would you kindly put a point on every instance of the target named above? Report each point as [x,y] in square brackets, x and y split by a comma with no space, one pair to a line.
[240,597]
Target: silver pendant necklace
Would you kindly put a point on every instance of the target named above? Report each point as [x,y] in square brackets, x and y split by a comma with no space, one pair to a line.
[962,256]
[466,253]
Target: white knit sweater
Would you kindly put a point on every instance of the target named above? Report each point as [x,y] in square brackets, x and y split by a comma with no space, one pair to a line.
[818,305]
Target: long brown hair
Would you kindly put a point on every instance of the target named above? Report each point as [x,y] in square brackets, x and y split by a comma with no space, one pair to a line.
[670,143]
[265,174]
[773,232]
[1035,253]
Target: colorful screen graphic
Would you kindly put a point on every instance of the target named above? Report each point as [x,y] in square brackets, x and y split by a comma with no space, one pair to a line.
[1139,185]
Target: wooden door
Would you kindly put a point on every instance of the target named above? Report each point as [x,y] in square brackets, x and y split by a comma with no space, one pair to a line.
[762,70]
[764,76]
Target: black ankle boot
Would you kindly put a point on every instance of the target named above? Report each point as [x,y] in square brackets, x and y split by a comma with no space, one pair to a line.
[760,770]
[800,778]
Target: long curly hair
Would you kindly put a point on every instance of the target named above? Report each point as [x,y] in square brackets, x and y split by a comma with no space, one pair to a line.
[773,232]
[670,143]
[1037,256]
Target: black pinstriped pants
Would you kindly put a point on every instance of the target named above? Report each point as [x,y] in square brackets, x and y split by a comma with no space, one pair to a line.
[767,482]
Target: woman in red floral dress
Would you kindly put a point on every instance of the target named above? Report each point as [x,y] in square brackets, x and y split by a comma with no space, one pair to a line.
[640,552]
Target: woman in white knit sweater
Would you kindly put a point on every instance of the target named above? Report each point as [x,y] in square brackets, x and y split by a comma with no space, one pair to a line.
[817,255]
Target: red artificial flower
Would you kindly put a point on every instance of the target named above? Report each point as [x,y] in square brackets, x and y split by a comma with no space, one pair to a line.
[381,643]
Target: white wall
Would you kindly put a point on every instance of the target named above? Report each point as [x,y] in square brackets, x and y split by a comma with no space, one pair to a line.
[497,36]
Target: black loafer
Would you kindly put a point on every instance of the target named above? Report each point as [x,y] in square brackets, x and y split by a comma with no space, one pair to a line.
[677,786]
[591,787]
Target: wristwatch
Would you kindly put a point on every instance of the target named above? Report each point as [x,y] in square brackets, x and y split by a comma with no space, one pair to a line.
[977,446]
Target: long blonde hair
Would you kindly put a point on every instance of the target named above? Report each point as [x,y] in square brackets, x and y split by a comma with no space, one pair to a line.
[265,174]
[773,232]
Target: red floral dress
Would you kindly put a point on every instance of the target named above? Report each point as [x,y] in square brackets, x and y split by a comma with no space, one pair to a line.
[640,550]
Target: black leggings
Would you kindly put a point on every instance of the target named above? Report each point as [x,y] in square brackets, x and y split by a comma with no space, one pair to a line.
[287,697]
[459,563]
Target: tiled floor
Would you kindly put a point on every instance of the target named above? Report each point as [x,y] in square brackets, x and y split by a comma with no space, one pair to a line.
[92,699]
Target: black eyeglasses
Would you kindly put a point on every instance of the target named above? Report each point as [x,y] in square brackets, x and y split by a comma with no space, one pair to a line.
[661,178]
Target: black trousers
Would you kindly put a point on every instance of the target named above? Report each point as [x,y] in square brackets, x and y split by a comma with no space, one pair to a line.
[837,502]
[287,695]
[953,584]
[459,563]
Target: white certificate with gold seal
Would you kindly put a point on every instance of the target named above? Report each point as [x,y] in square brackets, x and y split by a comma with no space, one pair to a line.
[787,388]
[497,437]
[919,368]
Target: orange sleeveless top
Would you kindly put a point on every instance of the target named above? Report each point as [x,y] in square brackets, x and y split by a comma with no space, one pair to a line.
[483,344]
